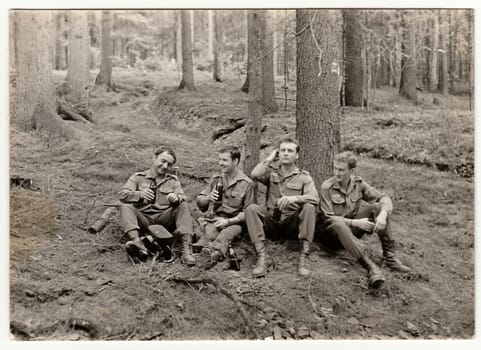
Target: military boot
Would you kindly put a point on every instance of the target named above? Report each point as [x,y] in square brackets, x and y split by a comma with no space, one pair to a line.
[375,277]
[187,257]
[302,269]
[390,257]
[135,248]
[201,243]
[260,268]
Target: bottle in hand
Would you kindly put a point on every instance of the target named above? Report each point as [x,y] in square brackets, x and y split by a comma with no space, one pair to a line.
[153,187]
[220,190]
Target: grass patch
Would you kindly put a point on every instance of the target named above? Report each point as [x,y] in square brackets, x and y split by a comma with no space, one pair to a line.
[32,221]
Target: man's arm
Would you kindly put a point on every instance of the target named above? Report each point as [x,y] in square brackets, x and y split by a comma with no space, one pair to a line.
[310,193]
[261,171]
[179,191]
[203,197]
[328,212]
[371,194]
[249,198]
[129,192]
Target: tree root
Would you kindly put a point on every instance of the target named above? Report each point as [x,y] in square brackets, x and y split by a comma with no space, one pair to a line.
[68,112]
[231,295]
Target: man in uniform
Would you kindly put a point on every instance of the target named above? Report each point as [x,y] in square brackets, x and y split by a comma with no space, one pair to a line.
[344,220]
[227,211]
[155,197]
[291,203]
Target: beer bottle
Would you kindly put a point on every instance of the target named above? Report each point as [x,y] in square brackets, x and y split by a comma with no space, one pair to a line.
[153,187]
[220,190]
[233,260]
[276,215]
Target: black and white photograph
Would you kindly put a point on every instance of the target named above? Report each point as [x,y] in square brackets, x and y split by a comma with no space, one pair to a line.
[264,173]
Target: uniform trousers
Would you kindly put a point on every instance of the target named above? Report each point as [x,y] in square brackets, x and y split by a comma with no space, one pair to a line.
[299,224]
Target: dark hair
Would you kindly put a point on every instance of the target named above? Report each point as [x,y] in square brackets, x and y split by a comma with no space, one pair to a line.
[234,152]
[288,139]
[346,157]
[167,149]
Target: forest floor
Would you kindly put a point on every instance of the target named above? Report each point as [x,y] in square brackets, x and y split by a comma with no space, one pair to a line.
[68,284]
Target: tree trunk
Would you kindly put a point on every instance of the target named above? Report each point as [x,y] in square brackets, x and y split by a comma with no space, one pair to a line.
[210,37]
[366,57]
[452,50]
[105,75]
[275,58]
[178,36]
[384,76]
[443,59]
[354,69]
[60,62]
[408,64]
[433,64]
[12,45]
[124,48]
[187,64]
[218,62]
[269,104]
[317,109]
[192,31]
[255,24]
[469,58]
[245,86]
[33,103]
[78,63]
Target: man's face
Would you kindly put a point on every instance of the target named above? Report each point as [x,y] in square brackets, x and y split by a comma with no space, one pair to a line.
[162,163]
[226,163]
[288,153]
[342,171]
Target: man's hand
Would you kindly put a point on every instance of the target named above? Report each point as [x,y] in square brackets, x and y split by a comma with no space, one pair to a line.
[273,155]
[172,197]
[363,224]
[147,194]
[381,221]
[214,196]
[221,223]
[284,201]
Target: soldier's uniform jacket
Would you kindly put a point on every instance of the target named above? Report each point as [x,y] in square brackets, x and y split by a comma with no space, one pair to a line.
[337,202]
[298,183]
[130,192]
[238,194]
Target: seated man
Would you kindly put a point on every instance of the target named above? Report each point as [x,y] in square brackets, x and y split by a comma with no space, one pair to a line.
[155,197]
[225,209]
[344,221]
[291,203]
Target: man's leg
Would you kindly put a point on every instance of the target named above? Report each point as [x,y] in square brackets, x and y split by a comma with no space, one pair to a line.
[226,236]
[385,236]
[301,225]
[207,258]
[184,225]
[180,217]
[256,216]
[352,244]
[307,226]
[209,235]
[131,220]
